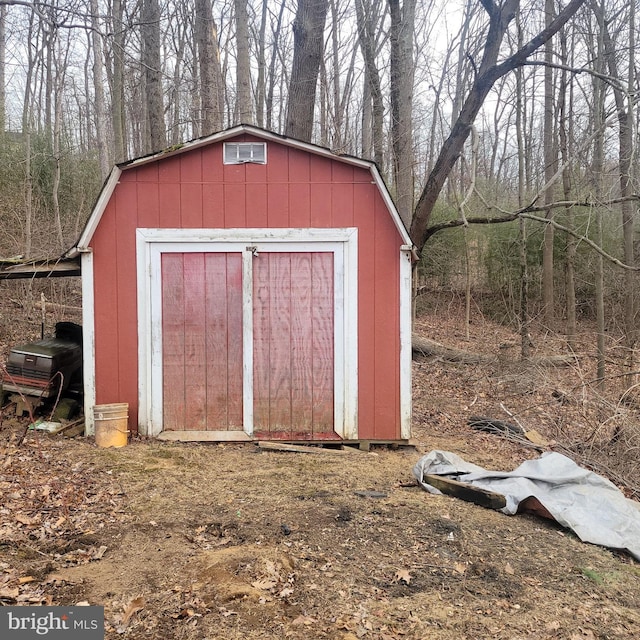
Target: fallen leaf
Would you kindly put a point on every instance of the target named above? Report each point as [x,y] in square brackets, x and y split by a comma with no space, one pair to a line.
[509,569]
[285,593]
[56,578]
[135,605]
[305,620]
[265,584]
[535,437]
[402,575]
[460,567]
[97,555]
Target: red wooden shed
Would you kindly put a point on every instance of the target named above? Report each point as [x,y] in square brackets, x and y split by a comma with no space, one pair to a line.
[248,286]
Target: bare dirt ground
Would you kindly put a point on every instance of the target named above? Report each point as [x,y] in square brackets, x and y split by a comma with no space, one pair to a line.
[198,542]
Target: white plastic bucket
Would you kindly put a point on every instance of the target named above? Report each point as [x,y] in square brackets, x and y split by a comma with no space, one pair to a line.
[111,421]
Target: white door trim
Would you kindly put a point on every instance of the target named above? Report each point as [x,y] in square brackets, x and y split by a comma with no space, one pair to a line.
[343,243]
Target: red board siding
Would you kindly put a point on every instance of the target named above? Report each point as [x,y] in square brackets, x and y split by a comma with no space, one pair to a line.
[293,189]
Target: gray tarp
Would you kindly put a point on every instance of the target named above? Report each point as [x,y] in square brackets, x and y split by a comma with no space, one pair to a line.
[592,506]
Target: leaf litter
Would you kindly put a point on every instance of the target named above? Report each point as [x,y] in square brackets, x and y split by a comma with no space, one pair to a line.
[197,541]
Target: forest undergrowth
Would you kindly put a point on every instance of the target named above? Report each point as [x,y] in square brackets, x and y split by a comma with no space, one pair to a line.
[595,422]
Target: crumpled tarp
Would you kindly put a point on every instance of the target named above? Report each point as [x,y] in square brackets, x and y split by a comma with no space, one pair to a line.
[592,506]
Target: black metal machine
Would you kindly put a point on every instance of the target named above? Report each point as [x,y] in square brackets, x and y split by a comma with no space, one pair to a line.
[47,368]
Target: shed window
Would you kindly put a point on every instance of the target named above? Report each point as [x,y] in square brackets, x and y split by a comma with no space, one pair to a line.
[241,152]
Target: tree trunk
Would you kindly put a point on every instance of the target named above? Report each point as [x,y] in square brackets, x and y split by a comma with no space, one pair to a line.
[525,341]
[211,84]
[550,168]
[598,169]
[262,68]
[624,107]
[366,38]
[98,91]
[402,74]
[272,68]
[244,111]
[156,134]
[565,128]
[308,44]
[117,88]
[3,22]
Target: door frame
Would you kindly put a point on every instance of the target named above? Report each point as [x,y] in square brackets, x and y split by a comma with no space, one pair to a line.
[152,243]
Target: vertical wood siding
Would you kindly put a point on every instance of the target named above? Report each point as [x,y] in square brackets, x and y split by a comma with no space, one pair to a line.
[202,341]
[294,189]
[293,345]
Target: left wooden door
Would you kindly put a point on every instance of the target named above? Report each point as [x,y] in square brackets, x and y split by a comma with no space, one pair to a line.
[202,359]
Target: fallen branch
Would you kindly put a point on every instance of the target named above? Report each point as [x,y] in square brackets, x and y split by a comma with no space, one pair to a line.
[424,347]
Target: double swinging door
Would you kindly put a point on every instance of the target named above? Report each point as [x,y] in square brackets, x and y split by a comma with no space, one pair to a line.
[250,340]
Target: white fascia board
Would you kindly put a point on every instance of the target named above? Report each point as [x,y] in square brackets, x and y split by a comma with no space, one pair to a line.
[249,130]
[391,207]
[255,236]
[98,210]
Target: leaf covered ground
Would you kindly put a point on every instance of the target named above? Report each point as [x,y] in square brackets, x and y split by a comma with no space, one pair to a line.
[196,542]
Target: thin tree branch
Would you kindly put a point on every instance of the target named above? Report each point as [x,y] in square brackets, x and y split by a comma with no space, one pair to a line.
[526,213]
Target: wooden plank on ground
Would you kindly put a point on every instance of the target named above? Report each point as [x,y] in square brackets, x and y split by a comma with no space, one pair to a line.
[74,429]
[296,448]
[204,436]
[467,492]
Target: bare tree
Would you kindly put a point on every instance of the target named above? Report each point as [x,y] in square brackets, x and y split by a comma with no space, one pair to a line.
[624,107]
[262,66]
[308,45]
[402,74]
[550,167]
[156,134]
[368,19]
[565,129]
[3,98]
[489,70]
[98,90]
[243,110]
[117,80]
[276,33]
[211,83]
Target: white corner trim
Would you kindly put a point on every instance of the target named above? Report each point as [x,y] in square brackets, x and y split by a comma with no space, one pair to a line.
[405,343]
[145,338]
[350,338]
[88,341]
[247,340]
